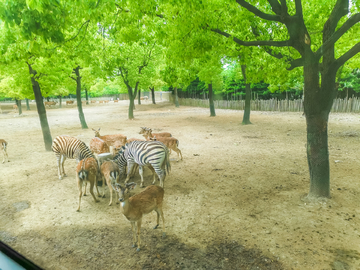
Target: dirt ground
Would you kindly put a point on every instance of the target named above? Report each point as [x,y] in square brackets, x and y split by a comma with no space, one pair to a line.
[236,201]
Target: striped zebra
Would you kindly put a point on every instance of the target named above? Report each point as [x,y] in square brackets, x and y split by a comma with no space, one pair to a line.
[152,154]
[69,147]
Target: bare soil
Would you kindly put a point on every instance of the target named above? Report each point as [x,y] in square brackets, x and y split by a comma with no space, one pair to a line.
[236,201]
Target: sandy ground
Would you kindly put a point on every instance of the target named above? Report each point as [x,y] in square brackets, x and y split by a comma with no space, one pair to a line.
[236,201]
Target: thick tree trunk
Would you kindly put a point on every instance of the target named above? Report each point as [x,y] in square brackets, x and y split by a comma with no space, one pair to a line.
[18,103]
[60,101]
[317,105]
[152,90]
[41,110]
[27,104]
[246,117]
[176,98]
[78,98]
[211,100]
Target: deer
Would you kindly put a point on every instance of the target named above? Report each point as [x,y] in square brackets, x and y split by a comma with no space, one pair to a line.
[111,139]
[68,102]
[110,173]
[3,146]
[99,146]
[133,208]
[50,103]
[145,130]
[170,142]
[87,171]
[15,107]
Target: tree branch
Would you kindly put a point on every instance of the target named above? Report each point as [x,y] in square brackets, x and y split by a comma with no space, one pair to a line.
[346,56]
[296,63]
[298,7]
[257,12]
[275,6]
[254,43]
[338,34]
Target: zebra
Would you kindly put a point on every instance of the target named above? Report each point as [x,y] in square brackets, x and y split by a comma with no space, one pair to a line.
[153,154]
[66,146]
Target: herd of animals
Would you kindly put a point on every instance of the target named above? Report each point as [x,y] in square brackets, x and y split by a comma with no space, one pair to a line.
[112,157]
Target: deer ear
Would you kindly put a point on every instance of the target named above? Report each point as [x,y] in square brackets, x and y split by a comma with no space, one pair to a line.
[93,129]
[131,185]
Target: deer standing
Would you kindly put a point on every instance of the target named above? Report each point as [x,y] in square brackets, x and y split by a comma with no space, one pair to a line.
[133,208]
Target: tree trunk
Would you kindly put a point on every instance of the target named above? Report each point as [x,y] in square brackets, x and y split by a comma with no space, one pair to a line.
[317,105]
[87,97]
[78,98]
[176,98]
[60,100]
[27,104]
[41,110]
[246,117]
[18,103]
[139,100]
[211,100]
[131,104]
[152,94]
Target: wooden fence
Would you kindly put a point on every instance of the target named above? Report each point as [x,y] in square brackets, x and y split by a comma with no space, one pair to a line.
[339,105]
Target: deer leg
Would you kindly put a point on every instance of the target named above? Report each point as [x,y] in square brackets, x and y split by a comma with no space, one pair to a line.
[92,189]
[85,188]
[179,152]
[103,186]
[141,172]
[4,156]
[157,219]
[138,234]
[111,191]
[134,233]
[163,219]
[79,182]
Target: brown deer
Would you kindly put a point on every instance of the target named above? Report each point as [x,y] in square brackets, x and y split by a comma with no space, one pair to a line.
[111,139]
[98,146]
[133,208]
[87,171]
[15,107]
[3,146]
[110,173]
[68,102]
[170,142]
[145,130]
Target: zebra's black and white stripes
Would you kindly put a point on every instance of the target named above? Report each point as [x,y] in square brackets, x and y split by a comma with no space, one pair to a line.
[144,153]
[69,147]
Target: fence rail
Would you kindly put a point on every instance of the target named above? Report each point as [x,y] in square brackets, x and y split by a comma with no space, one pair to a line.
[339,105]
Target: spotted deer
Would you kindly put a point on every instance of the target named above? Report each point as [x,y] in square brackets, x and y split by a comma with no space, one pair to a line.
[170,142]
[111,139]
[99,146]
[145,130]
[87,171]
[3,147]
[133,208]
[110,173]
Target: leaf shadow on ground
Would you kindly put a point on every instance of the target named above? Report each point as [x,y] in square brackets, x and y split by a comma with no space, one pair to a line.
[110,248]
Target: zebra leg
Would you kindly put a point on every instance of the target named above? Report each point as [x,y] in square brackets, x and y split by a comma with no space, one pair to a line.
[162,176]
[129,169]
[62,161]
[141,172]
[154,174]
[58,159]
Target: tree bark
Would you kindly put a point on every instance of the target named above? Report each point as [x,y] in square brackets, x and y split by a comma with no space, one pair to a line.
[60,101]
[211,100]
[176,98]
[27,104]
[78,97]
[139,100]
[246,117]
[18,103]
[87,97]
[41,110]
[152,90]
[131,104]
